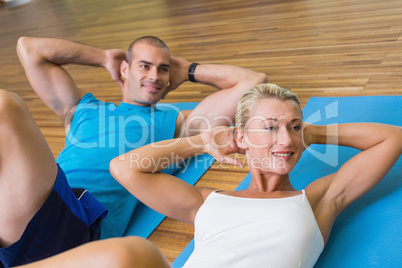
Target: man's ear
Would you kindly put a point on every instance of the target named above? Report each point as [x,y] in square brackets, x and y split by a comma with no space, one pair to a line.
[240,139]
[124,69]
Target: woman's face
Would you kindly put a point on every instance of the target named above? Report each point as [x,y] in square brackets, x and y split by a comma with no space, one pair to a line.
[274,136]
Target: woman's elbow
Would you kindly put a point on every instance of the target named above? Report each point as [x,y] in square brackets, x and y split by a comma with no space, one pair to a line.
[116,169]
[123,171]
[399,139]
[394,136]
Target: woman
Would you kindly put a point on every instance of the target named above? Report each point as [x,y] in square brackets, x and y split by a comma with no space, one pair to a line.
[269,223]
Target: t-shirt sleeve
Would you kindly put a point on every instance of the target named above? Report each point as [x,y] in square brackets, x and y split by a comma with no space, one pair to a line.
[88,98]
[87,102]
[169,122]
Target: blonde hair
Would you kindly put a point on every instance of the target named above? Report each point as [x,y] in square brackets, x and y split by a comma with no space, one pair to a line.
[263,91]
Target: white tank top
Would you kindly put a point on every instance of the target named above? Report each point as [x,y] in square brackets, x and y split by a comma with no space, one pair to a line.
[255,232]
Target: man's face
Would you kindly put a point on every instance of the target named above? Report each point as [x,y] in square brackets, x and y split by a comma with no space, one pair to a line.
[147,76]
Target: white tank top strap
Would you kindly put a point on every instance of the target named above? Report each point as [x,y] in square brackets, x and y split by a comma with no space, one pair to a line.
[213,192]
[305,196]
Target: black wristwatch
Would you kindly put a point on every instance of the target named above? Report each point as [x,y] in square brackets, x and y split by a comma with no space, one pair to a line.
[191,71]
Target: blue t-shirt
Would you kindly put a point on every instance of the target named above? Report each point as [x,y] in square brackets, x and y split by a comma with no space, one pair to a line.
[101,131]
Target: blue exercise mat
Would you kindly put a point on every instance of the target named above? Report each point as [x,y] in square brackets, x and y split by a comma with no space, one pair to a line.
[369,232]
[145,220]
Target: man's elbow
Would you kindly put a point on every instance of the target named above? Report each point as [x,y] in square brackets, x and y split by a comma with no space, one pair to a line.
[22,46]
[25,49]
[262,78]
[255,79]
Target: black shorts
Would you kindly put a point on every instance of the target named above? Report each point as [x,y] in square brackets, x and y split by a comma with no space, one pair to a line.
[67,219]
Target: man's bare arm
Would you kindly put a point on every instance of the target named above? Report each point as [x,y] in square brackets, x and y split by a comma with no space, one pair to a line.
[43,58]
[219,108]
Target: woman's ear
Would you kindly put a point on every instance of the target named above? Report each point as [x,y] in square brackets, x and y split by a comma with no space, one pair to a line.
[124,69]
[240,139]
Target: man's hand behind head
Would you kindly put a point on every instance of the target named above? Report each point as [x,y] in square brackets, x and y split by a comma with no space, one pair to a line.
[112,61]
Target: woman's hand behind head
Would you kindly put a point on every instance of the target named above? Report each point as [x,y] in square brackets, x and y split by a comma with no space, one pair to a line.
[220,142]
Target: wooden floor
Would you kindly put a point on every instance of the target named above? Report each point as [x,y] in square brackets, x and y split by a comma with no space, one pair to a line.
[313,47]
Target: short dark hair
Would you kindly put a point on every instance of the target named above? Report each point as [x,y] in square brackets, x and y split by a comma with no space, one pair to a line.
[150,40]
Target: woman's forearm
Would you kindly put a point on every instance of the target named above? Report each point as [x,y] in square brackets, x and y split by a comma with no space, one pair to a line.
[357,135]
[155,157]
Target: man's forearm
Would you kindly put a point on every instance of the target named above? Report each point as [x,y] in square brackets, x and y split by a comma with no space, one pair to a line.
[227,76]
[60,51]
[42,59]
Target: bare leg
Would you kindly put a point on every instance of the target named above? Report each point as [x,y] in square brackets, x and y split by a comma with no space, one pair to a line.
[27,168]
[133,252]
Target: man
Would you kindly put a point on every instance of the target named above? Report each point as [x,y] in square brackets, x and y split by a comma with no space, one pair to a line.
[40,215]
[99,131]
